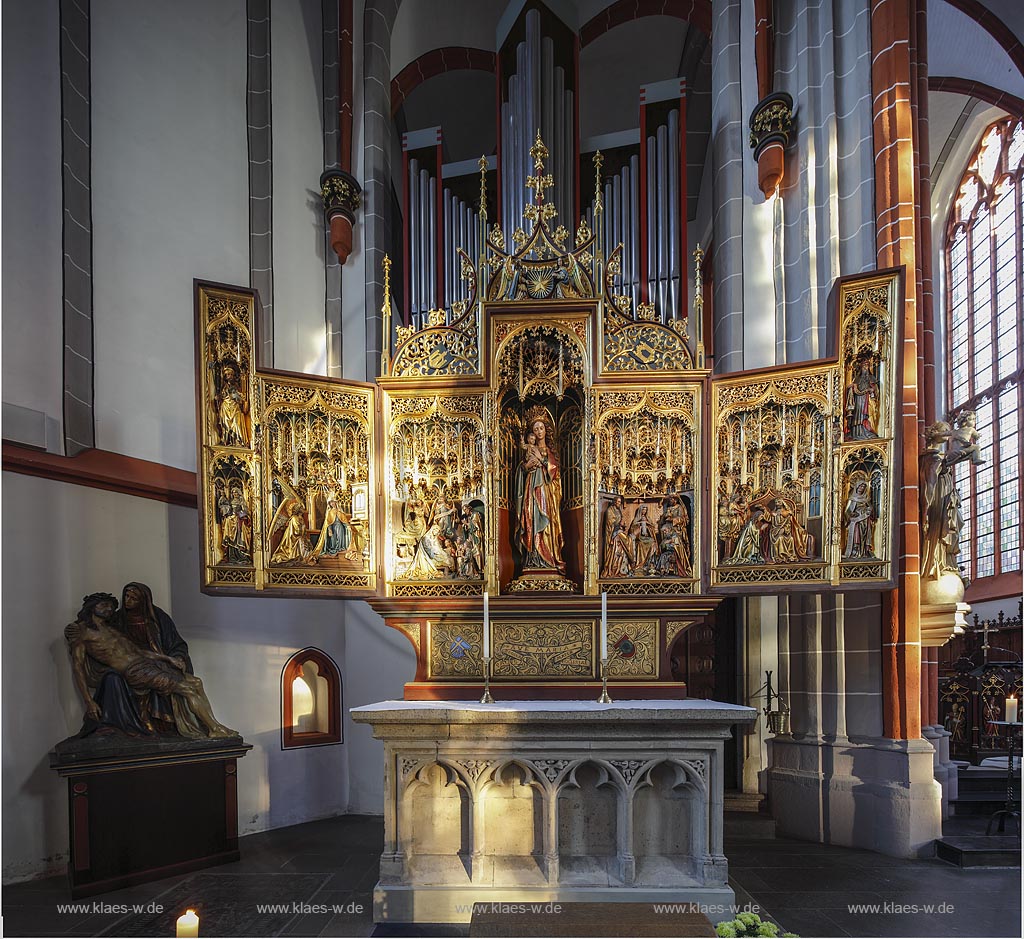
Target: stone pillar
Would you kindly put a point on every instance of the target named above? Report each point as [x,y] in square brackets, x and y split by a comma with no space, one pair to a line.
[378,21]
[728,151]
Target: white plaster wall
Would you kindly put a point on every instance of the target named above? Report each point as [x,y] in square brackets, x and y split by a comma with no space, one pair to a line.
[423,25]
[759,332]
[32,314]
[62,542]
[381,661]
[296,61]
[958,47]
[170,203]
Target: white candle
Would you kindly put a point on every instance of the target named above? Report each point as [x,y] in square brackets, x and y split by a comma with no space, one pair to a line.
[1011,709]
[604,625]
[487,625]
[187,925]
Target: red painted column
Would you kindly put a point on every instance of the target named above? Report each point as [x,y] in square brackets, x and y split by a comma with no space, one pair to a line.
[896,198]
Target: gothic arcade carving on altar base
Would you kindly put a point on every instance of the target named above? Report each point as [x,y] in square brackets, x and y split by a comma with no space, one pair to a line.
[542,439]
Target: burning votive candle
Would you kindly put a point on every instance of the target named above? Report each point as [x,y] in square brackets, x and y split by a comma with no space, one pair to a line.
[1011,709]
[187,926]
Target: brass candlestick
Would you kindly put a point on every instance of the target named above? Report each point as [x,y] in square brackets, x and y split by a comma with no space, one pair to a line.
[486,697]
[604,699]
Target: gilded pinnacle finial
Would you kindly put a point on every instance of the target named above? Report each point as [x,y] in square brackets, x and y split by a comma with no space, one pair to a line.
[698,278]
[386,266]
[598,162]
[539,152]
[482,163]
[539,183]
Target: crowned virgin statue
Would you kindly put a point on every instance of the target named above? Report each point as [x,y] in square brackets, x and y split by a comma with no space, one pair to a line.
[537,531]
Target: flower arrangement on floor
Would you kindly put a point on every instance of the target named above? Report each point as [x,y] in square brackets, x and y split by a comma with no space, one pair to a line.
[749,924]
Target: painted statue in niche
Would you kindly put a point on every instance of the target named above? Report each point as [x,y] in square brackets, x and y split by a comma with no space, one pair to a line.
[289,535]
[233,419]
[235,524]
[640,541]
[860,516]
[232,511]
[861,401]
[537,532]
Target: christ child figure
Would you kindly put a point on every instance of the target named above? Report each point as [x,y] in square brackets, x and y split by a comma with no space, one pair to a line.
[530,449]
[963,442]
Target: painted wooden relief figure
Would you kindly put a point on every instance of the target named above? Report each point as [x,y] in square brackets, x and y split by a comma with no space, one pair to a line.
[860,406]
[538,497]
[771,531]
[445,541]
[654,541]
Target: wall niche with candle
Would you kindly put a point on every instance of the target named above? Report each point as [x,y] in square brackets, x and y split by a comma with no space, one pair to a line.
[310,700]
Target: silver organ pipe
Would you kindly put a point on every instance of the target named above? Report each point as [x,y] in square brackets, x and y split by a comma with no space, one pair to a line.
[652,224]
[537,100]
[661,224]
[634,229]
[424,240]
[431,228]
[413,223]
[673,308]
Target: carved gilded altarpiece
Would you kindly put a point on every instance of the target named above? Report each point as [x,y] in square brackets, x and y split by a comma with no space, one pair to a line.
[544,443]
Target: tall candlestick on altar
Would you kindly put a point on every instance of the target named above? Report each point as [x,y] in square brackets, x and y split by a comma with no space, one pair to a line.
[487,625]
[604,625]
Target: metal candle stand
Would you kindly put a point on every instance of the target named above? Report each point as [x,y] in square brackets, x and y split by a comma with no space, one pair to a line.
[486,697]
[1008,811]
[604,699]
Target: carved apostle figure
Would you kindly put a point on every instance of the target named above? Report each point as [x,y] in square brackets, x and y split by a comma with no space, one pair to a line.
[860,406]
[618,550]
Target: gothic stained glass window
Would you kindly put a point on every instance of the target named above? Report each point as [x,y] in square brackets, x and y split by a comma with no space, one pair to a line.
[984,278]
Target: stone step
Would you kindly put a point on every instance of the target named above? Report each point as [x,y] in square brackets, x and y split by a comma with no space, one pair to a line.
[983,780]
[978,803]
[752,802]
[979,850]
[749,826]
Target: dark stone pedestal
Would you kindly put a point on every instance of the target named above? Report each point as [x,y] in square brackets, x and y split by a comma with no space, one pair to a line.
[141,809]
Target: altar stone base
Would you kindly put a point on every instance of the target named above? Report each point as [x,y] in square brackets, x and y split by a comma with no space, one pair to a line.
[551,801]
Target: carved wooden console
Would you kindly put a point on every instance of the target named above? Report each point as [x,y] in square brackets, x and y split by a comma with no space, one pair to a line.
[556,800]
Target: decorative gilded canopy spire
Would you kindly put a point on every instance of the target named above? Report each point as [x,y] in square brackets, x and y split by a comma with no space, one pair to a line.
[539,183]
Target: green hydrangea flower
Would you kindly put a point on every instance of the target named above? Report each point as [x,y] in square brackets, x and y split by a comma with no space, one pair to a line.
[727,930]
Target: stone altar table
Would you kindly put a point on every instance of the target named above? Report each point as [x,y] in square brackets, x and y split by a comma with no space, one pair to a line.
[540,801]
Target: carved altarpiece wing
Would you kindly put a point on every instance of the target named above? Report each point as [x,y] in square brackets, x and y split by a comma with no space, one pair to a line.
[545,443]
